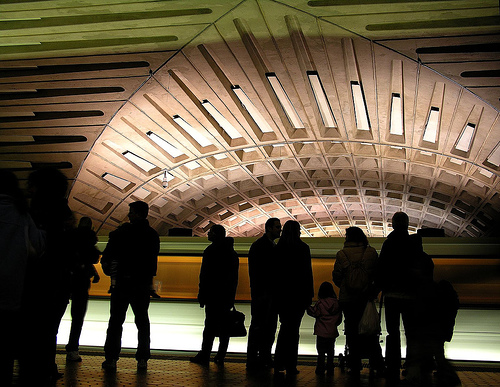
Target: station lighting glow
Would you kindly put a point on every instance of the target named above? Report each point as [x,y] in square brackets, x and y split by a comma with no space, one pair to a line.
[285,102]
[321,100]
[139,161]
[396,126]
[432,125]
[360,109]
[252,110]
[165,145]
[197,136]
[221,120]
[465,139]
[116,181]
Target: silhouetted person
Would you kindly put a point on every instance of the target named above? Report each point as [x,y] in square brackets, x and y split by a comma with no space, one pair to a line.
[328,316]
[134,247]
[264,316]
[354,273]
[217,292]
[83,270]
[403,268]
[293,294]
[439,317]
[48,280]
[20,242]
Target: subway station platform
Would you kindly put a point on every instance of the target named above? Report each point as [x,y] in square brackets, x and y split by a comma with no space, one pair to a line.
[176,333]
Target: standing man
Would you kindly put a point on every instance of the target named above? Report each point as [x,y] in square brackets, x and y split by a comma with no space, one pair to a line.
[262,331]
[131,256]
[403,268]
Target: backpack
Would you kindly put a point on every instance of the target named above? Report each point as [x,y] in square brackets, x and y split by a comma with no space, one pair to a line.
[356,280]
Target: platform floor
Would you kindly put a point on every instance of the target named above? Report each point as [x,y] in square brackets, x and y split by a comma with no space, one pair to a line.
[174,369]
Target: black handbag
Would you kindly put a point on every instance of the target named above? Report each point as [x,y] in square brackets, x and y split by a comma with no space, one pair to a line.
[236,326]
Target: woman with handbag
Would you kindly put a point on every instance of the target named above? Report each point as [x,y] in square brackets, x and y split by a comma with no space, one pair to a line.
[353,273]
[217,292]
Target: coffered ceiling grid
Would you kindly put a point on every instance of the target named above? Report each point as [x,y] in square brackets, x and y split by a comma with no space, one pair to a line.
[325,112]
[193,74]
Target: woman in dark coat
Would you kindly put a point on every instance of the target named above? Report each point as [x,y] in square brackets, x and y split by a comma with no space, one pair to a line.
[217,292]
[354,273]
[293,294]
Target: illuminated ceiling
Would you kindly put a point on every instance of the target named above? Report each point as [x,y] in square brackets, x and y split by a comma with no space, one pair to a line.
[328,112]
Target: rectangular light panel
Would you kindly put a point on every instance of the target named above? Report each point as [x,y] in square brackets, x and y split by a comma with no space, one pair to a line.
[221,120]
[321,100]
[141,193]
[431,127]
[197,136]
[165,145]
[115,180]
[139,161]
[192,165]
[252,110]
[396,115]
[465,139]
[285,102]
[360,109]
[494,157]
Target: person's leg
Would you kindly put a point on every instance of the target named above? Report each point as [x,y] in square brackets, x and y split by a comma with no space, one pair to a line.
[293,337]
[256,331]
[330,354]
[209,332]
[352,316]
[269,332]
[140,305]
[393,339]
[118,310]
[321,348]
[9,325]
[79,301]
[415,340]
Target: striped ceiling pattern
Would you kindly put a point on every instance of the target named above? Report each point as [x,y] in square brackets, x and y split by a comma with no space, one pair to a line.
[327,112]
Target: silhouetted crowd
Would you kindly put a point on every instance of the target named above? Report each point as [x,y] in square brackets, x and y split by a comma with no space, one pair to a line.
[46,261]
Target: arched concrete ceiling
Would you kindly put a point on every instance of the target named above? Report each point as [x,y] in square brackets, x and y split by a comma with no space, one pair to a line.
[326,112]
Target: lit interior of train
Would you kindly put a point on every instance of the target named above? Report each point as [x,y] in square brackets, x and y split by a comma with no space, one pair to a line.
[472,265]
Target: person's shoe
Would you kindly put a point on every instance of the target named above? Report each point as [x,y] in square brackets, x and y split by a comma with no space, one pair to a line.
[73,356]
[109,365]
[200,359]
[142,364]
[319,370]
[292,371]
[219,361]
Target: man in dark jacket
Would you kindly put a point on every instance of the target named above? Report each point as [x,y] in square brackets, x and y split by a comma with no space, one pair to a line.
[403,269]
[264,315]
[217,292]
[131,255]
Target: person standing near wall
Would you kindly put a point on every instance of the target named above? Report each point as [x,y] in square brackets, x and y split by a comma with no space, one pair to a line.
[217,292]
[133,249]
[354,273]
[86,256]
[20,242]
[403,265]
[264,316]
[293,294]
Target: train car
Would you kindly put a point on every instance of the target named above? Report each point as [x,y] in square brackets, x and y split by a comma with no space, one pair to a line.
[472,265]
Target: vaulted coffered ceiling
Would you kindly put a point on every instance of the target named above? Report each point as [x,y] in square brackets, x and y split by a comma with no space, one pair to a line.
[330,112]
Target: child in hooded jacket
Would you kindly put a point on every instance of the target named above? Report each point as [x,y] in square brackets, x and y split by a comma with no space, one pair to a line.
[328,317]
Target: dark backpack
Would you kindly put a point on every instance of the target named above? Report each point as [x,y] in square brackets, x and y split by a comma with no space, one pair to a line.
[357,279]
